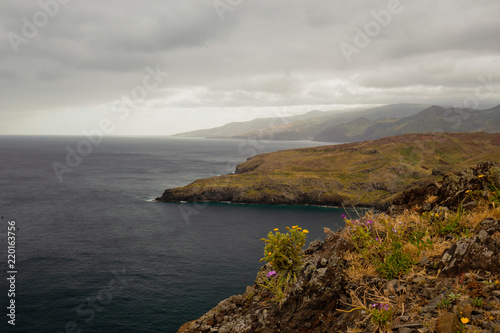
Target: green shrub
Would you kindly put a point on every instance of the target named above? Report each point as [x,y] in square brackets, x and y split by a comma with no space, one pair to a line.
[284,250]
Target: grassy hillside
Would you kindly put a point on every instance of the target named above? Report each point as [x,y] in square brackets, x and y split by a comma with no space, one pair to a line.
[366,173]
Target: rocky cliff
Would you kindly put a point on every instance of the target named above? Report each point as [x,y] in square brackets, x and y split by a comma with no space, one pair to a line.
[451,282]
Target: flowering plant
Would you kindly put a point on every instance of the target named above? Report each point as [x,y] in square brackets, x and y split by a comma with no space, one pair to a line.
[380,314]
[284,250]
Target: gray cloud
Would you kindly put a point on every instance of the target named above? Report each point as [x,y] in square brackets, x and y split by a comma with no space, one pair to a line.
[262,54]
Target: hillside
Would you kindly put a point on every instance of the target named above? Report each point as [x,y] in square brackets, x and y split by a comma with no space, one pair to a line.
[433,119]
[301,127]
[368,173]
[432,268]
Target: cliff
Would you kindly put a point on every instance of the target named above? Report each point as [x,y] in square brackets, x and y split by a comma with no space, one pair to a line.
[370,173]
[432,268]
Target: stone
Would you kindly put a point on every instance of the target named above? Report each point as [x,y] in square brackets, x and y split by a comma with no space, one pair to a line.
[432,304]
[479,253]
[447,323]
[429,293]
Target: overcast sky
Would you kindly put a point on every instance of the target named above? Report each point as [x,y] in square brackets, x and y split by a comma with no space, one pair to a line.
[67,64]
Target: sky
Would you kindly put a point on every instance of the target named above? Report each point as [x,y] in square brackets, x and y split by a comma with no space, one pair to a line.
[160,67]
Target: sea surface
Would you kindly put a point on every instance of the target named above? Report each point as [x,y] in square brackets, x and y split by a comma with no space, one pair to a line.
[95,254]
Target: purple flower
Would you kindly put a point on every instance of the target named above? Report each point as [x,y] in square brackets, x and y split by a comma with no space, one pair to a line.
[377,239]
[395,230]
[271,273]
[343,216]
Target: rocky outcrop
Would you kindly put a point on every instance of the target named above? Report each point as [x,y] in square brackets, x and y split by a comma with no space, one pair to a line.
[481,252]
[464,188]
[309,303]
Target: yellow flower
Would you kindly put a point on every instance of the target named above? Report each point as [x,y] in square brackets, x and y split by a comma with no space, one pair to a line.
[276,229]
[480,176]
[464,320]
[269,253]
[468,191]
[305,231]
[299,229]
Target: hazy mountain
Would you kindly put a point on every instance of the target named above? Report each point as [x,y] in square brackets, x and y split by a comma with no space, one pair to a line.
[302,127]
[433,119]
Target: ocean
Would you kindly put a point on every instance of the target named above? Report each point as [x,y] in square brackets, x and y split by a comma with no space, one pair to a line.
[94,253]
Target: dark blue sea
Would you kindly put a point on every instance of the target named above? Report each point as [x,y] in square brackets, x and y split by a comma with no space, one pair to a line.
[95,254]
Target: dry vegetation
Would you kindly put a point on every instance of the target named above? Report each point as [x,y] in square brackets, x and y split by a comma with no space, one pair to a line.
[386,248]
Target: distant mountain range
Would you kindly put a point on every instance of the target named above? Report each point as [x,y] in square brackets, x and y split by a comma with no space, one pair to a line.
[433,119]
[360,125]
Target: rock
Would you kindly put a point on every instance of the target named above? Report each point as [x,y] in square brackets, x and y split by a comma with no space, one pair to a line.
[432,304]
[314,246]
[429,293]
[447,323]
[451,193]
[479,253]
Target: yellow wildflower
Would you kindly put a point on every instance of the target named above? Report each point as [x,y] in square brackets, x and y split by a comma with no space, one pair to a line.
[269,253]
[480,176]
[299,229]
[305,231]
[276,229]
[464,320]
[468,191]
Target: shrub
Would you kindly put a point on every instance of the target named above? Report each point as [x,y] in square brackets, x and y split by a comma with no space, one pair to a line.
[284,250]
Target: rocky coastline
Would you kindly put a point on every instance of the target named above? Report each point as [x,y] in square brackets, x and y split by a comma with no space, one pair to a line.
[453,286]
